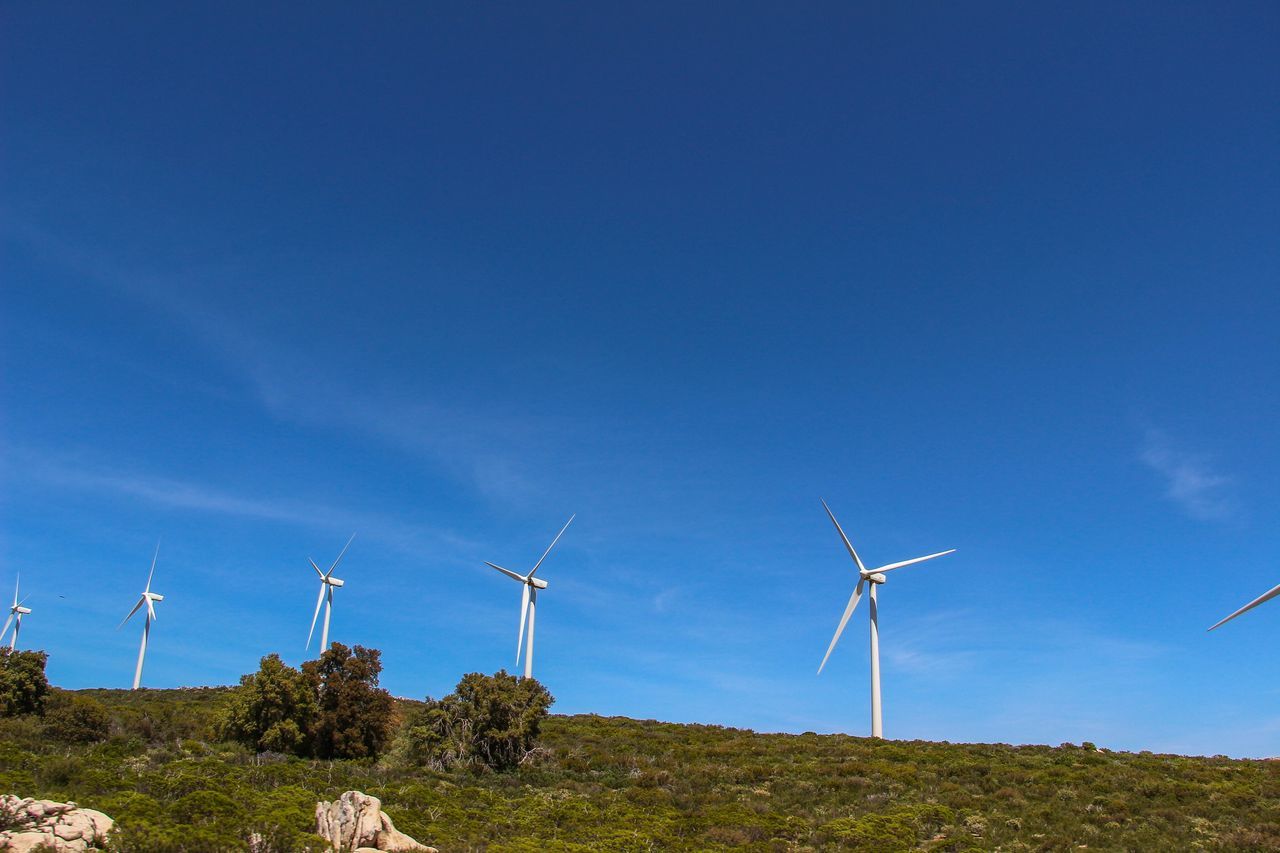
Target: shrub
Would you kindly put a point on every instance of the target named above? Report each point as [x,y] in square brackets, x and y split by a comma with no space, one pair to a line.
[76,719]
[272,710]
[23,685]
[491,720]
[353,717]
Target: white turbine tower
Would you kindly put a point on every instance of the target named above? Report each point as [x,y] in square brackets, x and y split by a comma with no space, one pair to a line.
[328,583]
[16,612]
[1265,597]
[529,599]
[874,577]
[148,598]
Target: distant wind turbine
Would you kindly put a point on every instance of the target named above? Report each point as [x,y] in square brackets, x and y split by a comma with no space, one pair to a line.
[1265,597]
[874,577]
[16,612]
[529,599]
[328,583]
[147,598]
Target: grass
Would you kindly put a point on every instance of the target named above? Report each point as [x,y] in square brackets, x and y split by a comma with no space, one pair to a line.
[603,784]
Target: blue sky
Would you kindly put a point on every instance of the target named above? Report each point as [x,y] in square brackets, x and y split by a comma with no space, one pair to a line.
[992,277]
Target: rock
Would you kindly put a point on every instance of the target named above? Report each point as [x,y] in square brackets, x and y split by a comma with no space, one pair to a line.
[60,826]
[355,822]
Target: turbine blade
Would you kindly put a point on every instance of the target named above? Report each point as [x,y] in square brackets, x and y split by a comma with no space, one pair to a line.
[506,572]
[151,611]
[317,568]
[852,553]
[15,590]
[844,620]
[319,603]
[1266,596]
[553,544]
[524,611]
[153,566]
[341,554]
[131,612]
[9,622]
[893,566]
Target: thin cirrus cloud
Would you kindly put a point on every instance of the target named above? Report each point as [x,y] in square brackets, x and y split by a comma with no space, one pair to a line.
[184,495]
[1190,482]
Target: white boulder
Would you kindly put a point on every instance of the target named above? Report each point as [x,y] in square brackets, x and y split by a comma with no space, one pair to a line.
[355,822]
[62,826]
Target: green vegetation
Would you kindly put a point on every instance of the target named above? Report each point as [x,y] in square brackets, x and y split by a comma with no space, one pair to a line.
[23,685]
[332,708]
[616,784]
[490,720]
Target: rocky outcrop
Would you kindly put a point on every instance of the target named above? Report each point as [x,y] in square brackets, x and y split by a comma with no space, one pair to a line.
[355,822]
[63,826]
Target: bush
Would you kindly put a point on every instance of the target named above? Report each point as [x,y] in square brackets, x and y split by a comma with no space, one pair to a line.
[273,709]
[490,720]
[353,717]
[76,719]
[23,685]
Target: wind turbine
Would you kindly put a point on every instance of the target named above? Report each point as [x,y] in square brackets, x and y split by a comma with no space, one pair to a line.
[328,583]
[874,577]
[148,598]
[529,598]
[16,612]
[1266,596]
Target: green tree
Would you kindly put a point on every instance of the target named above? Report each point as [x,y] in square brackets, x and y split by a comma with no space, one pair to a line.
[353,718]
[70,718]
[273,710]
[493,720]
[23,685]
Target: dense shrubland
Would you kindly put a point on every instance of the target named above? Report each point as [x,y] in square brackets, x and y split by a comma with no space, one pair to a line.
[162,770]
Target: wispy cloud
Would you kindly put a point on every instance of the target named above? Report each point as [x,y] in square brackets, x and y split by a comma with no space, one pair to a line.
[1190,481]
[175,494]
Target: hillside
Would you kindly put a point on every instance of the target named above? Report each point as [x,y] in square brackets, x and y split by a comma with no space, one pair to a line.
[621,784]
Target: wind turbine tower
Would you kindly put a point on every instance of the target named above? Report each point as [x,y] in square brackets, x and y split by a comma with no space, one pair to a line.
[149,599]
[874,578]
[16,612]
[529,600]
[328,583]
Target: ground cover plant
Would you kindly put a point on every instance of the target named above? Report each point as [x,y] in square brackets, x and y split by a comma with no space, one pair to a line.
[161,768]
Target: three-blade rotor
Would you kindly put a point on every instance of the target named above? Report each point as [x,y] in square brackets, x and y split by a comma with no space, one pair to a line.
[327,584]
[16,612]
[147,597]
[530,584]
[865,576]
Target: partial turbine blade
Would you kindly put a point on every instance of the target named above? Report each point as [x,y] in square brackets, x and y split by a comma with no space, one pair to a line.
[151,611]
[9,622]
[317,568]
[553,544]
[131,612]
[852,553]
[153,566]
[524,611]
[1266,596]
[844,620]
[319,602]
[506,572]
[340,555]
[893,566]
[15,590]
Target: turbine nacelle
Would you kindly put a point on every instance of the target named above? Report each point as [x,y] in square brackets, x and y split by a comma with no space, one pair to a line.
[874,577]
[154,596]
[334,581]
[537,583]
[22,611]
